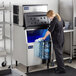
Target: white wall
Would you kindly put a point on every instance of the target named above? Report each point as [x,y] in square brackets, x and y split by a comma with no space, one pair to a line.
[52,4]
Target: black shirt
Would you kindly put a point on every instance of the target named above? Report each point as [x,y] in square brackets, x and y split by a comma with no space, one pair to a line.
[56,29]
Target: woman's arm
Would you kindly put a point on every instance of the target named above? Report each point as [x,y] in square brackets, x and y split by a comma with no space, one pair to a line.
[47,33]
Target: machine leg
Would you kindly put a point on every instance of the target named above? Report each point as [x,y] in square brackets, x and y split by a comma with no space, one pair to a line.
[27,70]
[52,63]
[47,64]
[16,63]
[70,60]
[71,52]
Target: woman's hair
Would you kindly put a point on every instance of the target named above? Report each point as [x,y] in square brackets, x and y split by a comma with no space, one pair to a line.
[51,13]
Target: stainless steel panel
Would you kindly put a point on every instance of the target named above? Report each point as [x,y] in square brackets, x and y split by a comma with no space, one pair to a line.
[74,13]
[25,55]
[34,8]
[20,46]
[74,7]
[66,10]
[74,36]
[74,16]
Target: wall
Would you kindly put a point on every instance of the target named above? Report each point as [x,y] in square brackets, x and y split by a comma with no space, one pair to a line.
[52,4]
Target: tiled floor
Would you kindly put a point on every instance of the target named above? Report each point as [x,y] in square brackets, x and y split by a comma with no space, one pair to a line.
[41,67]
[22,67]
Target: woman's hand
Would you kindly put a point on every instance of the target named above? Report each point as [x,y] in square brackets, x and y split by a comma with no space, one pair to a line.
[43,38]
[47,33]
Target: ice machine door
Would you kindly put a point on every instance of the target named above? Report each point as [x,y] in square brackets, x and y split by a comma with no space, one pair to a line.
[32,35]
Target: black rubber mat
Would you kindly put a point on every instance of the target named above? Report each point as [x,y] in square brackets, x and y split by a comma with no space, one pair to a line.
[8,72]
[69,72]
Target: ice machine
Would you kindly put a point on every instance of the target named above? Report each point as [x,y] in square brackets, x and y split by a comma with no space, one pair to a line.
[30,23]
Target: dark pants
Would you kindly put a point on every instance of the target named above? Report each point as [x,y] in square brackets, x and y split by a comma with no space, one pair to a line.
[59,56]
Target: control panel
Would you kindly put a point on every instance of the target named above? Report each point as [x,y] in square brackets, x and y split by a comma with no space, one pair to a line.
[39,20]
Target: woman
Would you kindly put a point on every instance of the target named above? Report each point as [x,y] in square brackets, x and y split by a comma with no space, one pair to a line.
[56,31]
